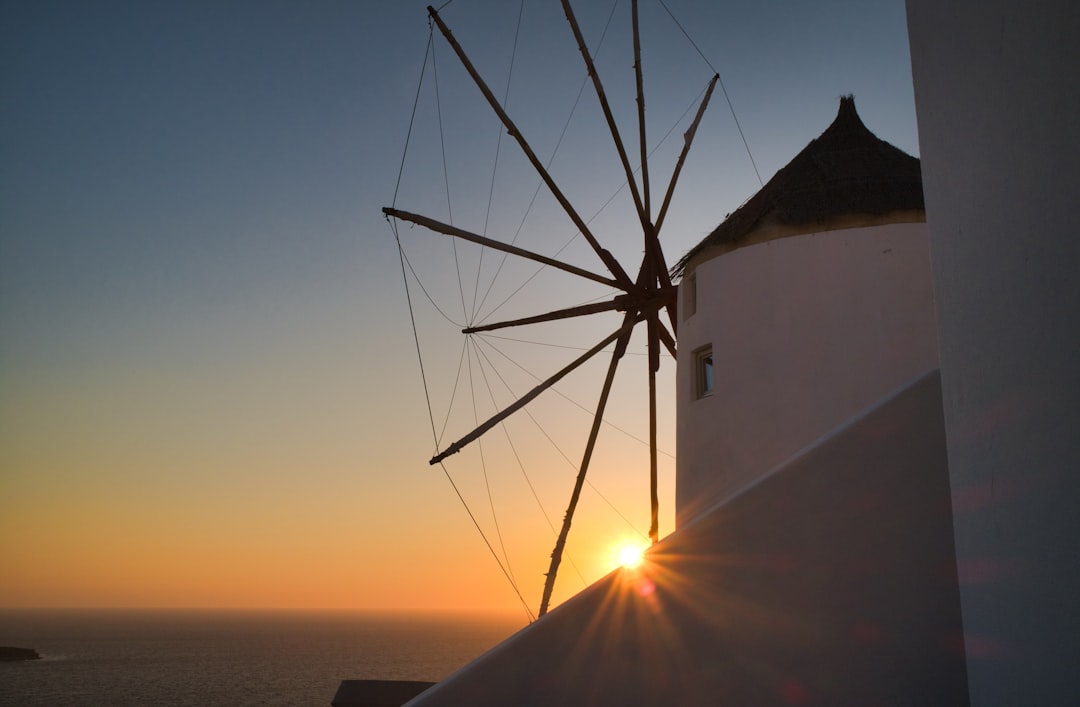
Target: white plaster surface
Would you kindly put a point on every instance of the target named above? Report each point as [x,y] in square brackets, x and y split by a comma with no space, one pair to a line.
[998,106]
[806,331]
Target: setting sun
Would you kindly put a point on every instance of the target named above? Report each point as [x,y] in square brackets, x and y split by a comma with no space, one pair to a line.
[629,554]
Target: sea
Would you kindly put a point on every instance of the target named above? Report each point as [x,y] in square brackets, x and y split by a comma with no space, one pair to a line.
[223,657]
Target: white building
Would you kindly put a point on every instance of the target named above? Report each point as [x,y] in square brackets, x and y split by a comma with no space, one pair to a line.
[808,304]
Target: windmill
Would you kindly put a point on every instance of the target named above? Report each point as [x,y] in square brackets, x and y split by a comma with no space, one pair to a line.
[647,298]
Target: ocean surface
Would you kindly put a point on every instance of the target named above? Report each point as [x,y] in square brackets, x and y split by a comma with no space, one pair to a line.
[198,657]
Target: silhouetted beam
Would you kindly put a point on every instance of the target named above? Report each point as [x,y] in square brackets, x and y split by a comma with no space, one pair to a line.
[594,431]
[656,252]
[524,400]
[608,259]
[658,269]
[641,112]
[654,364]
[688,138]
[448,230]
[662,296]
[606,108]
[619,303]
[666,338]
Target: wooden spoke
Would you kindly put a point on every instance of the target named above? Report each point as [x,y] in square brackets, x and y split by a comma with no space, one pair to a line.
[666,338]
[594,431]
[688,138]
[624,330]
[606,108]
[664,279]
[654,365]
[641,114]
[656,255]
[448,230]
[607,258]
[619,303]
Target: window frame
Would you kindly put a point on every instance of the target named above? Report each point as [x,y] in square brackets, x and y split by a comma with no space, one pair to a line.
[704,372]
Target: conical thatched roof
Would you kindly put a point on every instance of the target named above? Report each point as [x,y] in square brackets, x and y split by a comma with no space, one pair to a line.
[847,171]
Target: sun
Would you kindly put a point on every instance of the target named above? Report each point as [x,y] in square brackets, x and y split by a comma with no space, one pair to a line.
[629,554]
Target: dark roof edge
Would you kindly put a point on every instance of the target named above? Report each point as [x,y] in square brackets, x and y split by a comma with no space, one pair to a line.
[845,171]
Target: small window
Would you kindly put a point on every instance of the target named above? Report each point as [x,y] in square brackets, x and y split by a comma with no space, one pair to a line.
[689,287]
[703,372]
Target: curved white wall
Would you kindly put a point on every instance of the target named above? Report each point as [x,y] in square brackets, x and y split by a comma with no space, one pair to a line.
[806,331]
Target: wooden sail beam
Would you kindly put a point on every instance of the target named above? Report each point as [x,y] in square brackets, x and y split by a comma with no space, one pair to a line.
[606,108]
[620,303]
[657,268]
[448,230]
[688,139]
[654,365]
[594,431]
[660,278]
[628,325]
[605,256]
[653,268]
[666,339]
[639,79]
[656,252]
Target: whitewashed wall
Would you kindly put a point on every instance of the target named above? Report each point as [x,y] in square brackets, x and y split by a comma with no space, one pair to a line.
[998,104]
[806,331]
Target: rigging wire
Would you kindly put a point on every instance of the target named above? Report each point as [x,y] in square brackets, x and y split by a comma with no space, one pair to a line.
[416,336]
[453,395]
[484,470]
[401,171]
[563,395]
[397,237]
[488,335]
[723,89]
[487,542]
[466,314]
[540,182]
[513,448]
[446,181]
[420,283]
[495,162]
[412,117]
[435,435]
[555,445]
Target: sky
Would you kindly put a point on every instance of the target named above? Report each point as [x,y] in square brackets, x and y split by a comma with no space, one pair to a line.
[210,393]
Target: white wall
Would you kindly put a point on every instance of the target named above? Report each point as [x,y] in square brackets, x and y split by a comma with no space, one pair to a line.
[806,331]
[998,105]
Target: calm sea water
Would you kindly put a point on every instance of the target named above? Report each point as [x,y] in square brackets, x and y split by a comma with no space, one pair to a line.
[135,657]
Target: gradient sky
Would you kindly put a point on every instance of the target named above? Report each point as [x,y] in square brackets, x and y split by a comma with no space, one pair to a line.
[209,390]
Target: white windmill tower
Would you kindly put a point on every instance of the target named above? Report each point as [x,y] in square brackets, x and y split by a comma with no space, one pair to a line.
[807,304]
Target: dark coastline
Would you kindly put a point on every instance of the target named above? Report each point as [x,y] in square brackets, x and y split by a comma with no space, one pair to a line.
[11,653]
